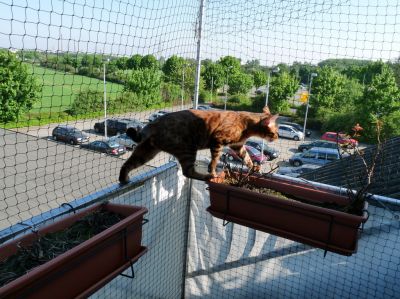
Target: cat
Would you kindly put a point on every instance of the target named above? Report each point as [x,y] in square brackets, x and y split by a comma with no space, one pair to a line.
[184,132]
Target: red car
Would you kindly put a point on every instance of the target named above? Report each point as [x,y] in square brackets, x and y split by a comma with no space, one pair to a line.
[342,139]
[255,155]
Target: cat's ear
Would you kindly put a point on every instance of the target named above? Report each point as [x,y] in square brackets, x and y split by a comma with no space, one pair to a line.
[270,121]
[266,110]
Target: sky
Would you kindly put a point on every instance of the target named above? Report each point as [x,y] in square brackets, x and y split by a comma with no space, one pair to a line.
[270,31]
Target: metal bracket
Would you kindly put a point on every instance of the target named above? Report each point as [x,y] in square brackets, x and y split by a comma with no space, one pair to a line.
[395,216]
[32,227]
[225,222]
[131,276]
[70,206]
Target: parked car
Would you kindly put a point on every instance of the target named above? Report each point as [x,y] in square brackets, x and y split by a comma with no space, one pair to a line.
[289,132]
[315,155]
[124,140]
[156,115]
[269,152]
[342,139]
[317,143]
[117,125]
[107,147]
[69,134]
[298,127]
[254,154]
[297,171]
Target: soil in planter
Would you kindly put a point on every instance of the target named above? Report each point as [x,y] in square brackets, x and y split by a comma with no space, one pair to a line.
[49,246]
[246,185]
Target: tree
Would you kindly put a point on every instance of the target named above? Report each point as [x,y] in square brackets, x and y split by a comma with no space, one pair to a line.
[149,62]
[121,63]
[134,62]
[240,83]
[328,89]
[146,84]
[260,78]
[230,63]
[282,88]
[173,69]
[382,96]
[91,61]
[214,75]
[251,66]
[18,89]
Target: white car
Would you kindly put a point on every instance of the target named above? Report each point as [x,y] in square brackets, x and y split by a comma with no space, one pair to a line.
[289,132]
[297,171]
[123,139]
[156,115]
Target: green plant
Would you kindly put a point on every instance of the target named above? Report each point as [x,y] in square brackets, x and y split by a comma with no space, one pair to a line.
[18,89]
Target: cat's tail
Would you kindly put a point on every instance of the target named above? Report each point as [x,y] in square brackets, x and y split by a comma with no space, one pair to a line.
[134,134]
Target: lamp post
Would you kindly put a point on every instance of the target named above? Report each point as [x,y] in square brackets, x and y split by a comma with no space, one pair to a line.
[226,86]
[105,98]
[308,101]
[183,86]
[275,70]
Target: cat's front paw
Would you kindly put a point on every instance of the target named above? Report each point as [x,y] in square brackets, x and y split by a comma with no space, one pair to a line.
[123,179]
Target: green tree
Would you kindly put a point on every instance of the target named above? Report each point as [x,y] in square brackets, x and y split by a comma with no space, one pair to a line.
[240,83]
[134,62]
[382,96]
[92,60]
[214,75]
[282,88]
[260,78]
[230,64]
[328,89]
[121,63]
[149,62]
[18,89]
[173,69]
[146,84]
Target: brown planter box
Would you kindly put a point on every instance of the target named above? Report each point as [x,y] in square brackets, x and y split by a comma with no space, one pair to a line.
[85,268]
[302,222]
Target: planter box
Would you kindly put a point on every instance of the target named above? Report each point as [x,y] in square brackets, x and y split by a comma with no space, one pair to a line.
[85,268]
[320,227]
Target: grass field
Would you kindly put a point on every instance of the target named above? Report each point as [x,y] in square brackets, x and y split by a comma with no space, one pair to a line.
[59,89]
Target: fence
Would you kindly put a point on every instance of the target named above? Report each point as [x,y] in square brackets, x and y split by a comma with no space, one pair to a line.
[79,63]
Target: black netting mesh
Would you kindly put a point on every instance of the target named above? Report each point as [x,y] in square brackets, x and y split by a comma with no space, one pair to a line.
[66,67]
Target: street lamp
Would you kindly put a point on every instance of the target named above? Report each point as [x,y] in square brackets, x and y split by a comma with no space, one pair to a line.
[183,86]
[226,86]
[308,101]
[275,70]
[105,98]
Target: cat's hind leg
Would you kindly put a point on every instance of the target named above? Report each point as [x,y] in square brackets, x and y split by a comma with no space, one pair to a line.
[215,155]
[142,153]
[187,161]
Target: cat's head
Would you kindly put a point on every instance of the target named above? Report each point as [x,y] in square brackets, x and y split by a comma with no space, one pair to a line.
[269,126]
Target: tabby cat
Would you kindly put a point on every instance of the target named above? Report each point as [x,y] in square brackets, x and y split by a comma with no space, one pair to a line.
[182,133]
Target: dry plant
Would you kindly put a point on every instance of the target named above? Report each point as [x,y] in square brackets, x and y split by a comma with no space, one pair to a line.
[369,161]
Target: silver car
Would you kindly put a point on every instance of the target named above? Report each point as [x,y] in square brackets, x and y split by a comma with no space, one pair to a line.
[123,139]
[288,131]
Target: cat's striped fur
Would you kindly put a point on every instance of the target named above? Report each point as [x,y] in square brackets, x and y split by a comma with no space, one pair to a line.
[182,133]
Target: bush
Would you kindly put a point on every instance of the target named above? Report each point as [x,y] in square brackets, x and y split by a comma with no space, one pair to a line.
[89,101]
[240,99]
[205,96]
[171,92]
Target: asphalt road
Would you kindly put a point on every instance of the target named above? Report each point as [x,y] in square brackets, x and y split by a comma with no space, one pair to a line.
[38,174]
